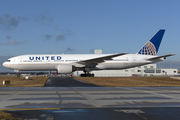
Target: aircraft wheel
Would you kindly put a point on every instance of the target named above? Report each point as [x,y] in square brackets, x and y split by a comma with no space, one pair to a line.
[87,75]
[83,75]
[90,75]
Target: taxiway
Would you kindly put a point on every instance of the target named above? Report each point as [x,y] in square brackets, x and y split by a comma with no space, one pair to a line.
[136,103]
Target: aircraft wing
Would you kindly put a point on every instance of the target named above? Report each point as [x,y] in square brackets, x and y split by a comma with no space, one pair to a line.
[95,61]
[158,57]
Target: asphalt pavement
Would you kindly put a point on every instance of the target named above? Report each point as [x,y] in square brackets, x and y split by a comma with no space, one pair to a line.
[101,114]
[77,100]
[67,82]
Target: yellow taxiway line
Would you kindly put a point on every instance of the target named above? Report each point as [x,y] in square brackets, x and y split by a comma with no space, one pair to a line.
[29,109]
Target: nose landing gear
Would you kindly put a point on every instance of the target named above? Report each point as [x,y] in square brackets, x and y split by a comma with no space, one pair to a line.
[17,73]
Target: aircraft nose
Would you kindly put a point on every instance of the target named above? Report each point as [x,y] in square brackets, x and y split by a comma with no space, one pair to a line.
[5,64]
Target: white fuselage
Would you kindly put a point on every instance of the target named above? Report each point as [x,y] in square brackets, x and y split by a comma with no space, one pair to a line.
[51,61]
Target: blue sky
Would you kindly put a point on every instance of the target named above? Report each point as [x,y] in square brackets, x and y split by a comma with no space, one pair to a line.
[80,26]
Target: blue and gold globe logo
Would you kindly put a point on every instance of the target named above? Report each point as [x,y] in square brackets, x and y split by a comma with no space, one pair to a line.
[148,49]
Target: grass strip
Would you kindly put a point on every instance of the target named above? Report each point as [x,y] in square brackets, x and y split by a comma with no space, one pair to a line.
[22,82]
[131,81]
[7,116]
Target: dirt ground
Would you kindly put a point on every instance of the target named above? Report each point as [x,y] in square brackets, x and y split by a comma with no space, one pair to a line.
[7,116]
[101,81]
[131,81]
[22,82]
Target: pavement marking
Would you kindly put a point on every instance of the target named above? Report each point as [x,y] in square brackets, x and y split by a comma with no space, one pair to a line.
[92,102]
[9,96]
[16,109]
[24,109]
[168,96]
[130,111]
[176,91]
[150,91]
[130,90]
[133,111]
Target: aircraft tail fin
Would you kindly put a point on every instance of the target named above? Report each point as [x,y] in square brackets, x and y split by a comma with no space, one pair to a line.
[152,46]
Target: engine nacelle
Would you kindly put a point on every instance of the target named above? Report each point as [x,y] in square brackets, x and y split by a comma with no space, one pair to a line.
[65,69]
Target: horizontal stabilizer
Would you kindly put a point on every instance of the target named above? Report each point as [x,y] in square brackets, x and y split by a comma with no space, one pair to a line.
[158,57]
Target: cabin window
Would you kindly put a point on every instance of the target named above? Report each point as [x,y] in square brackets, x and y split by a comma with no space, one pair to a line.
[27,61]
[58,60]
[37,61]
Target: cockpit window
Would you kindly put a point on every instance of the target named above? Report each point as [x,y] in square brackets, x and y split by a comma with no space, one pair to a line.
[8,60]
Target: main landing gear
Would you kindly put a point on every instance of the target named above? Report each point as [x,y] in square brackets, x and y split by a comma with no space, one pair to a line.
[87,72]
[87,75]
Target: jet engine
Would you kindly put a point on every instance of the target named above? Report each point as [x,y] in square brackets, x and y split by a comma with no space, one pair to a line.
[65,69]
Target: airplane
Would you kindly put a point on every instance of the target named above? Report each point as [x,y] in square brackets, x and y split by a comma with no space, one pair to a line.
[68,63]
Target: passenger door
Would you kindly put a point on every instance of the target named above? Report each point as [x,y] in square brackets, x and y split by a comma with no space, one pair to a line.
[20,61]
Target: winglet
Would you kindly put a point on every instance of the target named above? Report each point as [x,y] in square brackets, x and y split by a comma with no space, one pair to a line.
[152,46]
